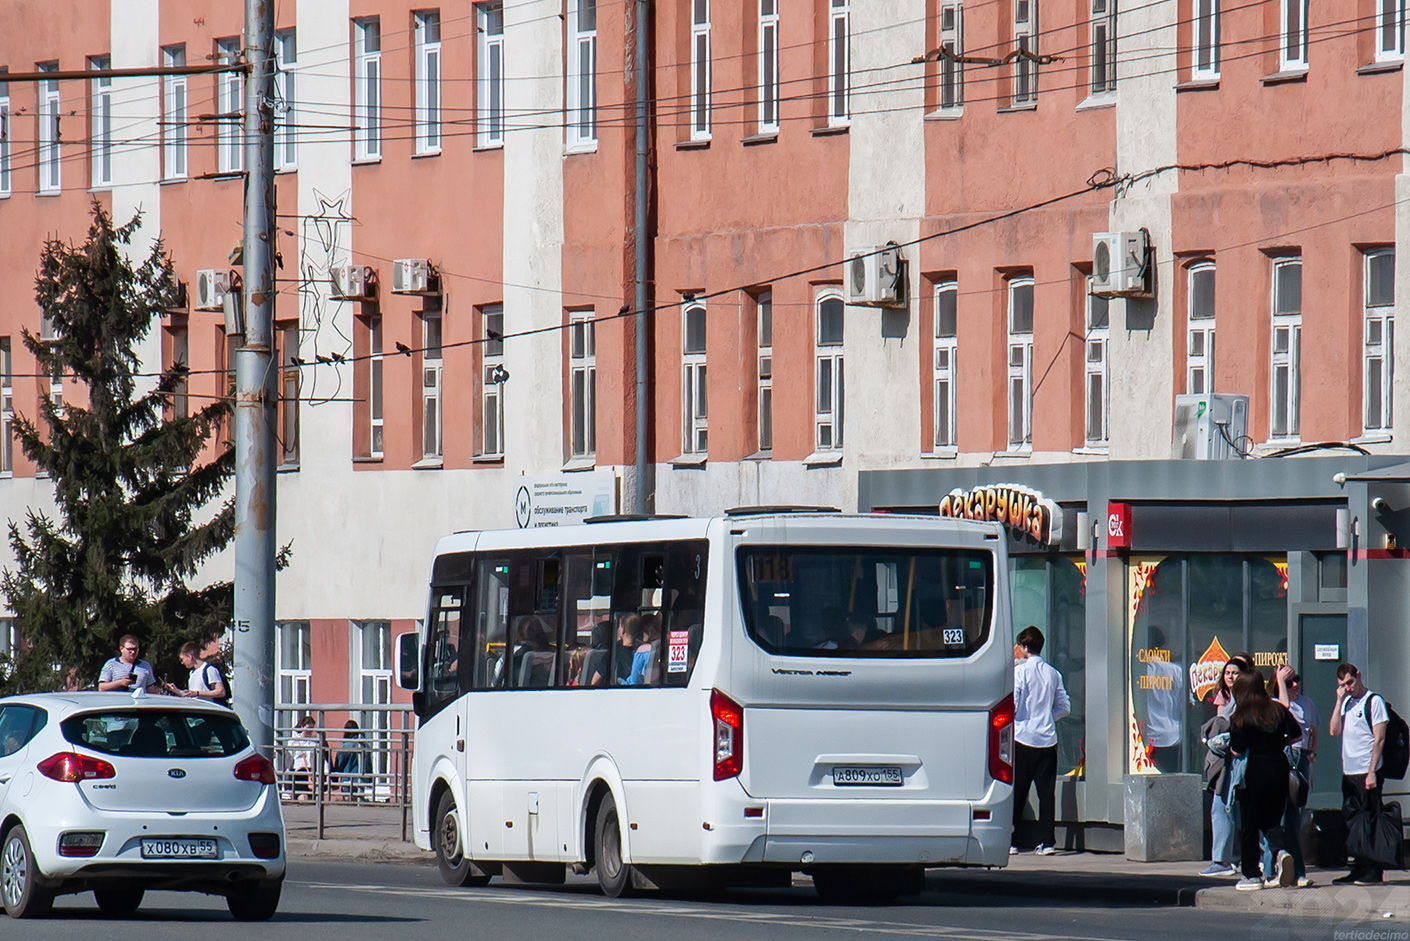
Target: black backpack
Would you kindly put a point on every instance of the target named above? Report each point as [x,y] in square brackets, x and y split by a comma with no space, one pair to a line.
[229,692]
[1396,751]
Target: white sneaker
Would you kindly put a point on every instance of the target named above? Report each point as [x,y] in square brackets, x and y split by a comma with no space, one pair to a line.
[1013,850]
[1287,878]
[1304,883]
[1044,850]
[1249,885]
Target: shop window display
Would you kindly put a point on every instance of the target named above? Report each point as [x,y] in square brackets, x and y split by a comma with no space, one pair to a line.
[1051,593]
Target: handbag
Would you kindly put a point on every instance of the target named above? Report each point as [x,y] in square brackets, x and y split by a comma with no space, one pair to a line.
[1375,837]
[1298,787]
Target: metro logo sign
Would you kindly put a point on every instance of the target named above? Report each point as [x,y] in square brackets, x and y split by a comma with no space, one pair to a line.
[1118,525]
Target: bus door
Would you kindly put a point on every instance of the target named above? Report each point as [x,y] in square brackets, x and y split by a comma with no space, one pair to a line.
[447,674]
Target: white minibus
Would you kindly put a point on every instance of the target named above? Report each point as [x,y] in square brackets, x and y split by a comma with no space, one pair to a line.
[671,702]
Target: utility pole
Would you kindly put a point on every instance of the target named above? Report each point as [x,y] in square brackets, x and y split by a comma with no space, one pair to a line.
[255,385]
[643,247]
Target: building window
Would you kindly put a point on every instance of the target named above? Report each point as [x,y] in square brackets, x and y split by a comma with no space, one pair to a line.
[431,379]
[1287,347]
[1199,355]
[764,306]
[367,133]
[50,180]
[428,81]
[1292,48]
[951,49]
[177,335]
[829,390]
[491,50]
[768,66]
[1204,57]
[492,388]
[4,135]
[289,395]
[372,686]
[1379,359]
[230,88]
[839,72]
[700,68]
[695,388]
[7,407]
[286,122]
[101,112]
[946,349]
[53,383]
[374,391]
[9,644]
[1103,46]
[1025,48]
[1390,30]
[1020,371]
[1098,391]
[174,104]
[582,382]
[582,73]
[295,668]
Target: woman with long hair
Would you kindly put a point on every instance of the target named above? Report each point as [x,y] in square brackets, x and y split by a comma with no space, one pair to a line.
[1260,729]
[1216,771]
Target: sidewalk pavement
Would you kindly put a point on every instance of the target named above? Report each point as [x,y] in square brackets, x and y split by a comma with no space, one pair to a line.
[374,834]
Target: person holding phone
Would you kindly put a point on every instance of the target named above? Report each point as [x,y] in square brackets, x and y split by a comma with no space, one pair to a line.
[126,671]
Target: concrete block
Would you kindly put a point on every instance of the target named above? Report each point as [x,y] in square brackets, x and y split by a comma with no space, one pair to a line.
[1163,817]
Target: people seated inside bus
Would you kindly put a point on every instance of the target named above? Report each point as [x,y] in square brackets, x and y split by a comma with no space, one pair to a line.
[834,630]
[862,632]
[633,650]
[595,662]
[651,630]
[533,656]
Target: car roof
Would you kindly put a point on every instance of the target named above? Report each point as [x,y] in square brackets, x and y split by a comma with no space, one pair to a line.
[67,702]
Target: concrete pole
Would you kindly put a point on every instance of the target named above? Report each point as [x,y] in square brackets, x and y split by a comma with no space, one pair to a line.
[643,246]
[255,385]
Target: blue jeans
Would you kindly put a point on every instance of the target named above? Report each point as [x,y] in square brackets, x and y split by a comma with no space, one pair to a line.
[1292,826]
[1221,819]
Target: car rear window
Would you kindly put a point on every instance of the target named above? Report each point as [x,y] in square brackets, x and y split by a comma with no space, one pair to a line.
[152,733]
[870,602]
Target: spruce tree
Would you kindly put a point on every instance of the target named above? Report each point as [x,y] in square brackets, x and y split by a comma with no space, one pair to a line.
[136,488]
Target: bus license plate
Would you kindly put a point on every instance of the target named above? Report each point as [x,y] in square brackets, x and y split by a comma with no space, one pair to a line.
[855,776]
[178,849]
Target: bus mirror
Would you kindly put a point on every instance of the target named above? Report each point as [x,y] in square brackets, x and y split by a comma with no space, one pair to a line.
[408,665]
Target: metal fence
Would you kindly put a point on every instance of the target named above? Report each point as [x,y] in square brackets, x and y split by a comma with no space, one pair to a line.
[333,761]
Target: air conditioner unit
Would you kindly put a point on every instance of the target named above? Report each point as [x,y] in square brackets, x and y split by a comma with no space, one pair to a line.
[352,283]
[1210,427]
[413,276]
[876,277]
[212,284]
[1121,264]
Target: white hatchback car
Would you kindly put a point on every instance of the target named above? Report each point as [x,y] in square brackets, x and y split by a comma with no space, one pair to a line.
[120,794]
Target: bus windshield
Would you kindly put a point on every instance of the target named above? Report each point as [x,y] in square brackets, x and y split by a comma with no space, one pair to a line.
[887,602]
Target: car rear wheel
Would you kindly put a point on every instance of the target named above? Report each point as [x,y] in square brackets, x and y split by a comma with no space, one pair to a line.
[19,878]
[449,838]
[118,901]
[254,904]
[613,875]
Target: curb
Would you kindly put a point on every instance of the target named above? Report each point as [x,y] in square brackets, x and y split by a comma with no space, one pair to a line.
[369,850]
[1361,903]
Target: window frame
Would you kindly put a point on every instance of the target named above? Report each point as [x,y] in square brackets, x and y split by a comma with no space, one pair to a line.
[7,407]
[1205,46]
[230,97]
[582,366]
[101,123]
[491,359]
[376,414]
[490,73]
[1097,366]
[6,121]
[432,386]
[1202,328]
[286,56]
[367,96]
[296,678]
[830,414]
[945,366]
[1290,32]
[1289,404]
[695,383]
[581,68]
[701,70]
[1102,47]
[768,67]
[50,111]
[290,382]
[1025,39]
[764,389]
[1020,425]
[1389,30]
[839,63]
[1382,317]
[951,77]
[426,38]
[176,104]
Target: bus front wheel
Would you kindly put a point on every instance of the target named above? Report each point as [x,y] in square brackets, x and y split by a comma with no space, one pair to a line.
[613,875]
[449,838]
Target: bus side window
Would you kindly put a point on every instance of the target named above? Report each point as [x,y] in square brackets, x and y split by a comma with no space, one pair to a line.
[532,644]
[685,615]
[493,611]
[443,649]
[587,617]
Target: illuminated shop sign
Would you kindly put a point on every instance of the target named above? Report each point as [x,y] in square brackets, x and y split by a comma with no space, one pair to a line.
[1022,511]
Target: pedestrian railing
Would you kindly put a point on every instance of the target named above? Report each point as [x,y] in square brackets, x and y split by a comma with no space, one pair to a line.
[330,762]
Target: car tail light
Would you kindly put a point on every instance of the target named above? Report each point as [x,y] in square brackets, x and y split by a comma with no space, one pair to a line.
[255,768]
[264,845]
[1001,741]
[728,716]
[70,767]
[80,844]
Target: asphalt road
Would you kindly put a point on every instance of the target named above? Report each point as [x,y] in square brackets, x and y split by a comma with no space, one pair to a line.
[332,901]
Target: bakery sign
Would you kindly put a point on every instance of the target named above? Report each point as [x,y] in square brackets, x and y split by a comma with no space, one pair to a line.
[1025,513]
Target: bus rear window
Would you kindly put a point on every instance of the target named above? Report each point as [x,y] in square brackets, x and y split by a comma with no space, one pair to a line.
[806,601]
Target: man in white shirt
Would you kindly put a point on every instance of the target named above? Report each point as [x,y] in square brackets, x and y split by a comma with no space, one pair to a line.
[205,681]
[1360,718]
[1039,701]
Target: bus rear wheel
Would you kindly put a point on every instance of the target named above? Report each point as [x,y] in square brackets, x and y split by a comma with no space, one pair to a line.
[449,838]
[613,875]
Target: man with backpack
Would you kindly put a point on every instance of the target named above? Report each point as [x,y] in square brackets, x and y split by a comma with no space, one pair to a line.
[206,681]
[1360,718]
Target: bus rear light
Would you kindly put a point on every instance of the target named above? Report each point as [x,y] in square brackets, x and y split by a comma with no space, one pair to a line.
[1001,740]
[728,717]
[72,768]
